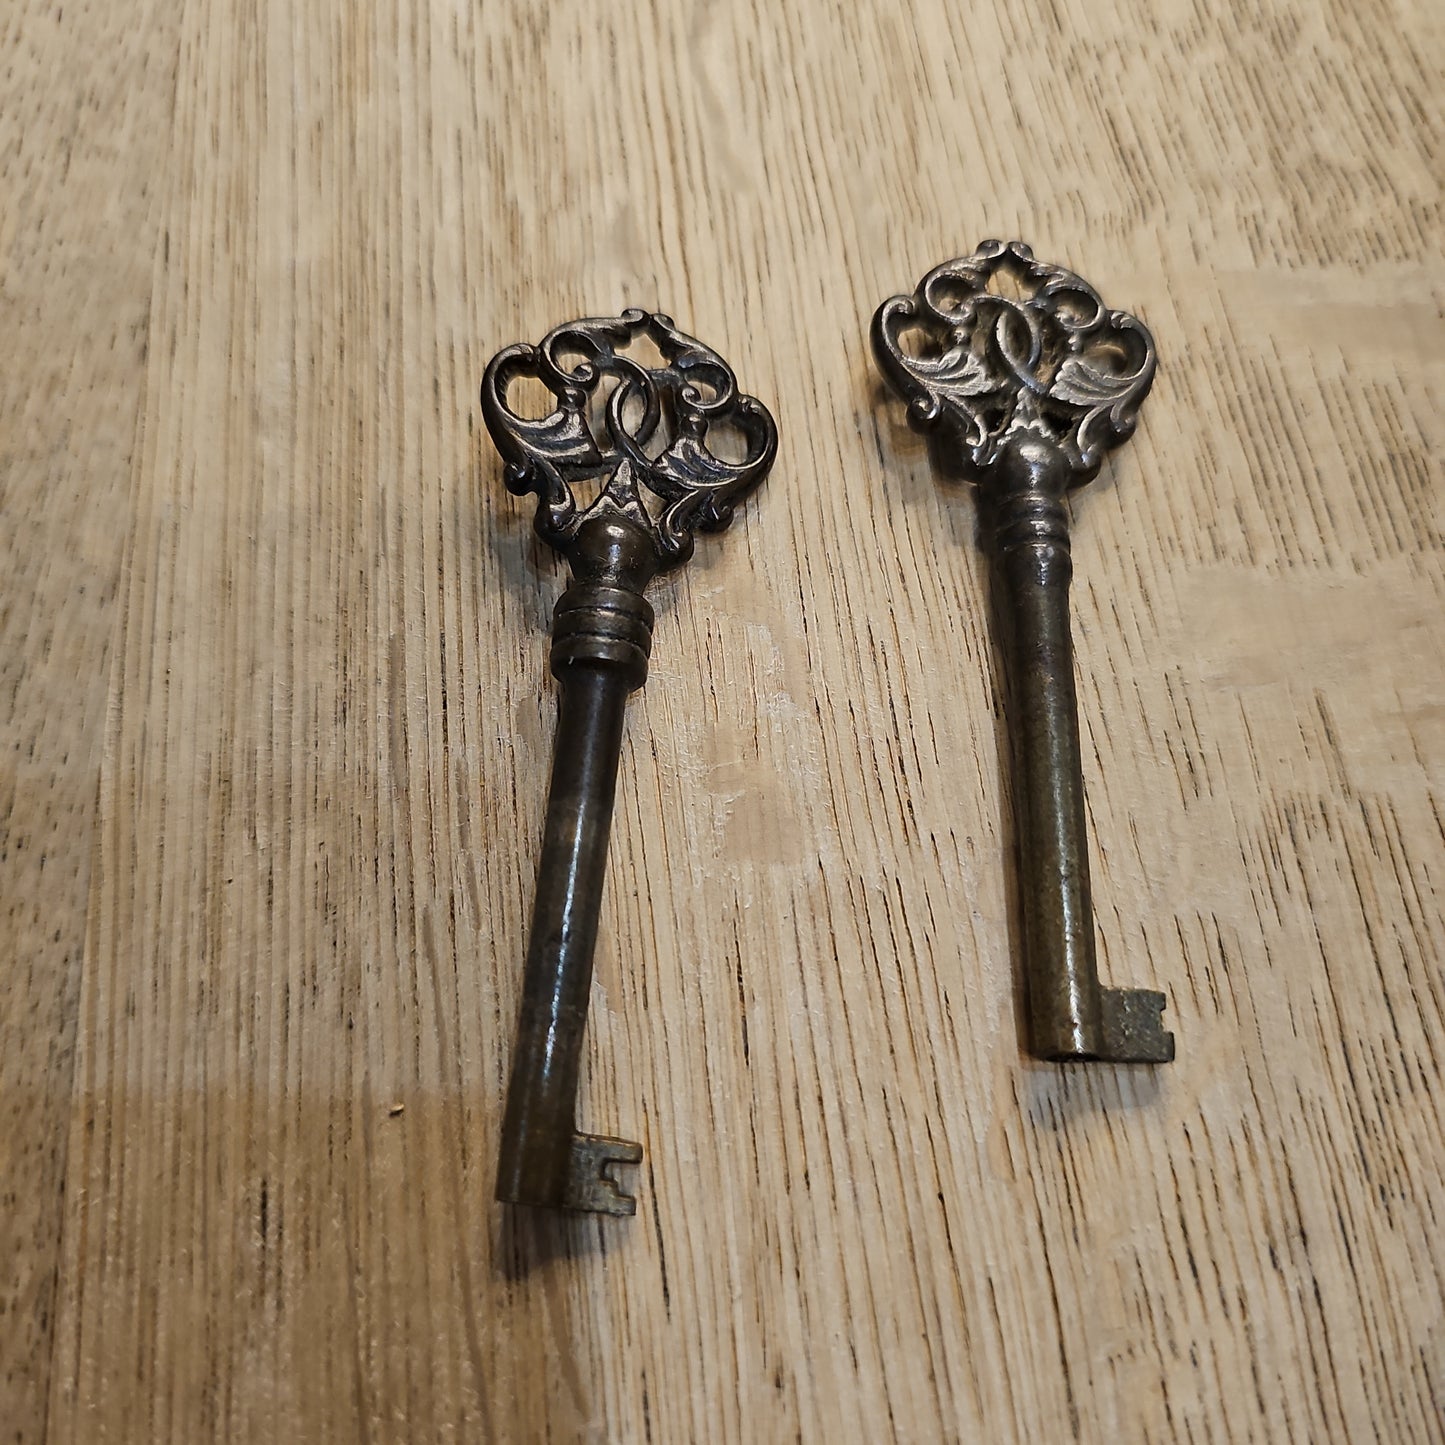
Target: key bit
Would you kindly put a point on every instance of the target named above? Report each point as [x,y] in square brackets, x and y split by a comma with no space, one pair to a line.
[1024,379]
[638,411]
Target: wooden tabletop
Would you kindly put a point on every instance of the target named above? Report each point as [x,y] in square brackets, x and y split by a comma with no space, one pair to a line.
[275,723]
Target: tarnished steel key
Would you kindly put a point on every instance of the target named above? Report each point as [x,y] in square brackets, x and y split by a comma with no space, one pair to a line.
[1025,379]
[638,410]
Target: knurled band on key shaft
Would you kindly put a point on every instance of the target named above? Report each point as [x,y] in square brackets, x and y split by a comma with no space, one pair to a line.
[597,625]
[1031,517]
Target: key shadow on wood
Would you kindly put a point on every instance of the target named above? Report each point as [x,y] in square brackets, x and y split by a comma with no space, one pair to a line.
[526,1241]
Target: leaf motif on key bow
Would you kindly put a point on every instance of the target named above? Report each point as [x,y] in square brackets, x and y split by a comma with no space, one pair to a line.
[650,446]
[1052,362]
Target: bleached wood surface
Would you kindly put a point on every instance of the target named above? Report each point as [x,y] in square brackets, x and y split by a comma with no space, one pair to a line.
[275,724]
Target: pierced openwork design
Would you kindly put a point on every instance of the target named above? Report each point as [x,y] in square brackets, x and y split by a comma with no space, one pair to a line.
[642,430]
[1050,363]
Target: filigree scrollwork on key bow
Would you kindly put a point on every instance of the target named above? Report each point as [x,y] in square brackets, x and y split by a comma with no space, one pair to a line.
[1048,364]
[648,447]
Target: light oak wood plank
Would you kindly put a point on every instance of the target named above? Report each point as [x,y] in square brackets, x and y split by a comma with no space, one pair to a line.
[86,97]
[316,691]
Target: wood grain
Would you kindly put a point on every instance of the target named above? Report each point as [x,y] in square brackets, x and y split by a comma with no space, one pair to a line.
[276,725]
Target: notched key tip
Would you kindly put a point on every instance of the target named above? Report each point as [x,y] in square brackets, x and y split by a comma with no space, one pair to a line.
[590,1188]
[1134,1031]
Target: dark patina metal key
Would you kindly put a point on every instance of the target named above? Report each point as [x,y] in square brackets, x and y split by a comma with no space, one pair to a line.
[1026,379]
[649,416]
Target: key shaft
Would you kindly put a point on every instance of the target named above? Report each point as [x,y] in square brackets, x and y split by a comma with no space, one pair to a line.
[1025,379]
[601,639]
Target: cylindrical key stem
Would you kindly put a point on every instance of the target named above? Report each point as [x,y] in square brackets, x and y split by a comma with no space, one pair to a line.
[601,638]
[1031,546]
[1071,1016]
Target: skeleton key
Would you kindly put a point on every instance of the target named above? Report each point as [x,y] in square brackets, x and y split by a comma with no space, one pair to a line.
[646,429]
[1026,379]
